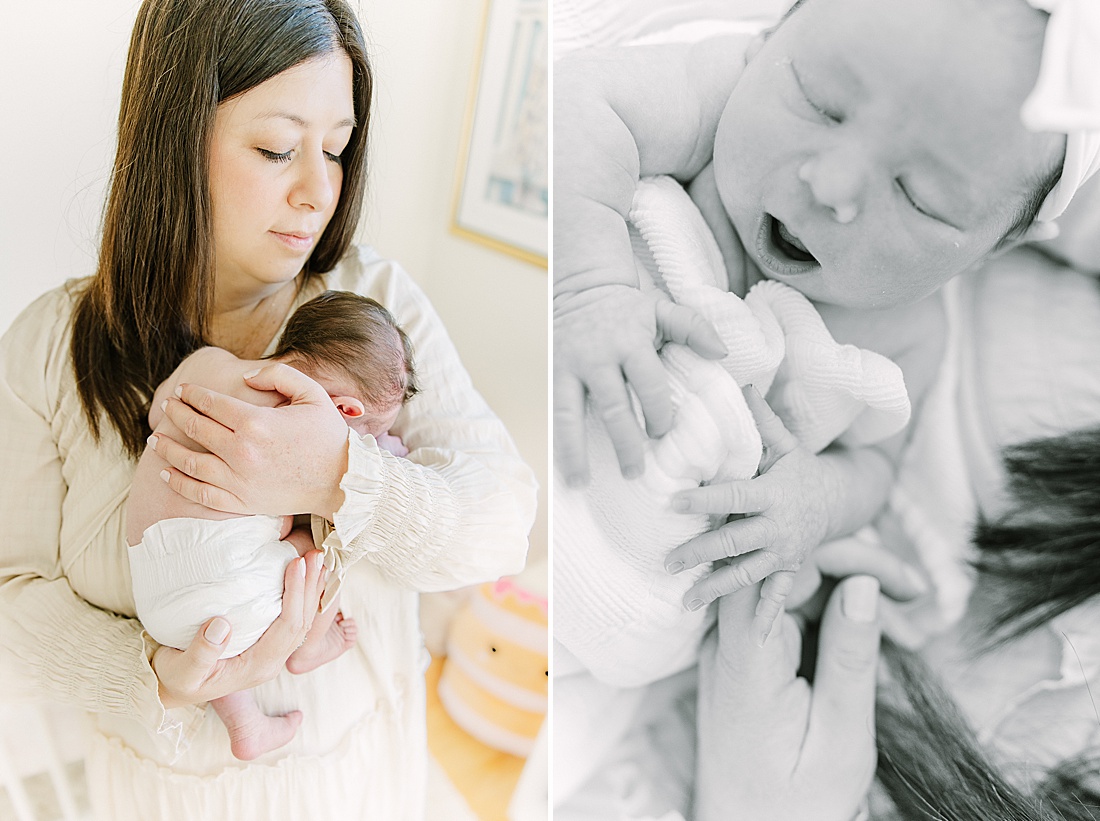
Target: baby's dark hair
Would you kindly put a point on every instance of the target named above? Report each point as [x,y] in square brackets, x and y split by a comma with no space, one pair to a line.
[355,336]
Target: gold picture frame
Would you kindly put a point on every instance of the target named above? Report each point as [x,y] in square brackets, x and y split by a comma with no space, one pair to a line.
[501,197]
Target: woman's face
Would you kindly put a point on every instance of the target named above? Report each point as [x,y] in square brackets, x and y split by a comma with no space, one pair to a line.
[275,172]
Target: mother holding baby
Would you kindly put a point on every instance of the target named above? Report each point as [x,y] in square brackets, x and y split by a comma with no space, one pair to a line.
[237,186]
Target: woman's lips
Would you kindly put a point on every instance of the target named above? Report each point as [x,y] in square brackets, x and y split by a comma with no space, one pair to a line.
[295,241]
[781,251]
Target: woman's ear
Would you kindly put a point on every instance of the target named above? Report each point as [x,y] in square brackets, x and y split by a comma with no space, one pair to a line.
[349,406]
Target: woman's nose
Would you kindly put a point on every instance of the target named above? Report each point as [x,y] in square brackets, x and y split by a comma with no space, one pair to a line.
[837,181]
[314,188]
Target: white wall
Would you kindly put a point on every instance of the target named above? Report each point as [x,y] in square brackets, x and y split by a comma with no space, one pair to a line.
[61,62]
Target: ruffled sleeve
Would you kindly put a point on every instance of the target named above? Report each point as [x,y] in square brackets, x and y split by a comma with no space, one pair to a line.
[458,509]
[56,644]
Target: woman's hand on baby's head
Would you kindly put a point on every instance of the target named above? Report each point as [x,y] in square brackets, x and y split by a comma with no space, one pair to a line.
[783,514]
[199,674]
[261,460]
[606,340]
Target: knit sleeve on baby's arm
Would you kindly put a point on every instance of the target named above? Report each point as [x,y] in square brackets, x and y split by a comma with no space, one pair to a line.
[458,510]
[56,646]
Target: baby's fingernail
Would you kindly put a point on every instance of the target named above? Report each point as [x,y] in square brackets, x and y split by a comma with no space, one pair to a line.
[762,636]
[674,567]
[681,504]
[695,604]
[165,475]
[576,480]
[164,405]
[251,374]
[178,391]
[152,440]
[216,631]
[860,598]
[632,471]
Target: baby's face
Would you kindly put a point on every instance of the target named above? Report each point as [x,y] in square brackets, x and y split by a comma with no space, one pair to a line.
[873,149]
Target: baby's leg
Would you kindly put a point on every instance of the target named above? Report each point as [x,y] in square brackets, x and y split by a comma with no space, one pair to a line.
[330,635]
[251,732]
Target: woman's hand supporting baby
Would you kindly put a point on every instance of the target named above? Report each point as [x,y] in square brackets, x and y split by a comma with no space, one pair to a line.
[771,745]
[199,674]
[261,460]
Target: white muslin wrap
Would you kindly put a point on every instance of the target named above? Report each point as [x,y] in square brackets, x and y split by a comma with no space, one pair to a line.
[186,571]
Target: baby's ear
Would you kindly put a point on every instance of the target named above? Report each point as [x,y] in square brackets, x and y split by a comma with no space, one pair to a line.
[349,406]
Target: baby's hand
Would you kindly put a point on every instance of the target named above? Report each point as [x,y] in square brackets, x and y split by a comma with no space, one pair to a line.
[781,515]
[604,338]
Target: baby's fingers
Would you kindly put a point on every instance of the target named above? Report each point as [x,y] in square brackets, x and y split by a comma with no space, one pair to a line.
[738,573]
[773,594]
[646,374]
[732,539]
[777,440]
[611,402]
[569,429]
[678,323]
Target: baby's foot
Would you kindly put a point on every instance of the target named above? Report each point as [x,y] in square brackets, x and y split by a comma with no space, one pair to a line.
[258,734]
[321,649]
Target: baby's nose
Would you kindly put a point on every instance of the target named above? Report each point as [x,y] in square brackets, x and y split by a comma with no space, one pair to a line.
[835,184]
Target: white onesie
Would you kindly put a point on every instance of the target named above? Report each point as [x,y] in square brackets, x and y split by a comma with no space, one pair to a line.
[185,571]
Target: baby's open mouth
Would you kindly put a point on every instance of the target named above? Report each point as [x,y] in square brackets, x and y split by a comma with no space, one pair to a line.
[788,244]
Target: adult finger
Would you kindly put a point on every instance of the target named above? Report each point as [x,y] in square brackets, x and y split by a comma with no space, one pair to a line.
[862,555]
[746,496]
[679,323]
[197,662]
[731,539]
[205,467]
[208,432]
[228,411]
[750,674]
[646,374]
[611,403]
[288,381]
[207,495]
[777,440]
[847,660]
[569,429]
[739,573]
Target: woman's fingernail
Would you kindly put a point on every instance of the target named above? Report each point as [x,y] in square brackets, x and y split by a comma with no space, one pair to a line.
[216,631]
[178,391]
[302,568]
[860,598]
[152,440]
[251,374]
[165,475]
[674,567]
[681,504]
[164,405]
[695,604]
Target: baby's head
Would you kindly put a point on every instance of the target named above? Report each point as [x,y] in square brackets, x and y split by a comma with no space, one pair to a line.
[354,349]
[873,149]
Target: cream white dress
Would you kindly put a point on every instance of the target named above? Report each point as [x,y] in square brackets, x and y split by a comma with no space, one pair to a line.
[456,512]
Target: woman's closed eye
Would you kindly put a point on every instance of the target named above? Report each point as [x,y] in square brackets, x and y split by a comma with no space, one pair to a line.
[285,156]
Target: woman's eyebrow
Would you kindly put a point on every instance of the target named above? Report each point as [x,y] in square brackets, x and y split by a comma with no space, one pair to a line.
[347,122]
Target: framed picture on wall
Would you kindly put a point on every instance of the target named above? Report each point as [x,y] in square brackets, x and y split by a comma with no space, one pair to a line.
[502,197]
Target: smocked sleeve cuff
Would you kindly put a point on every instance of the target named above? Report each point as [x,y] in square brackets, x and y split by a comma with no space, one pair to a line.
[173,728]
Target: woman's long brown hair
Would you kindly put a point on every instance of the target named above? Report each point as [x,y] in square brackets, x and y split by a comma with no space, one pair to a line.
[149,302]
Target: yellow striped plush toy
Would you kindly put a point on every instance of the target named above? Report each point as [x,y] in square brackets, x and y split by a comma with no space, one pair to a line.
[495,678]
